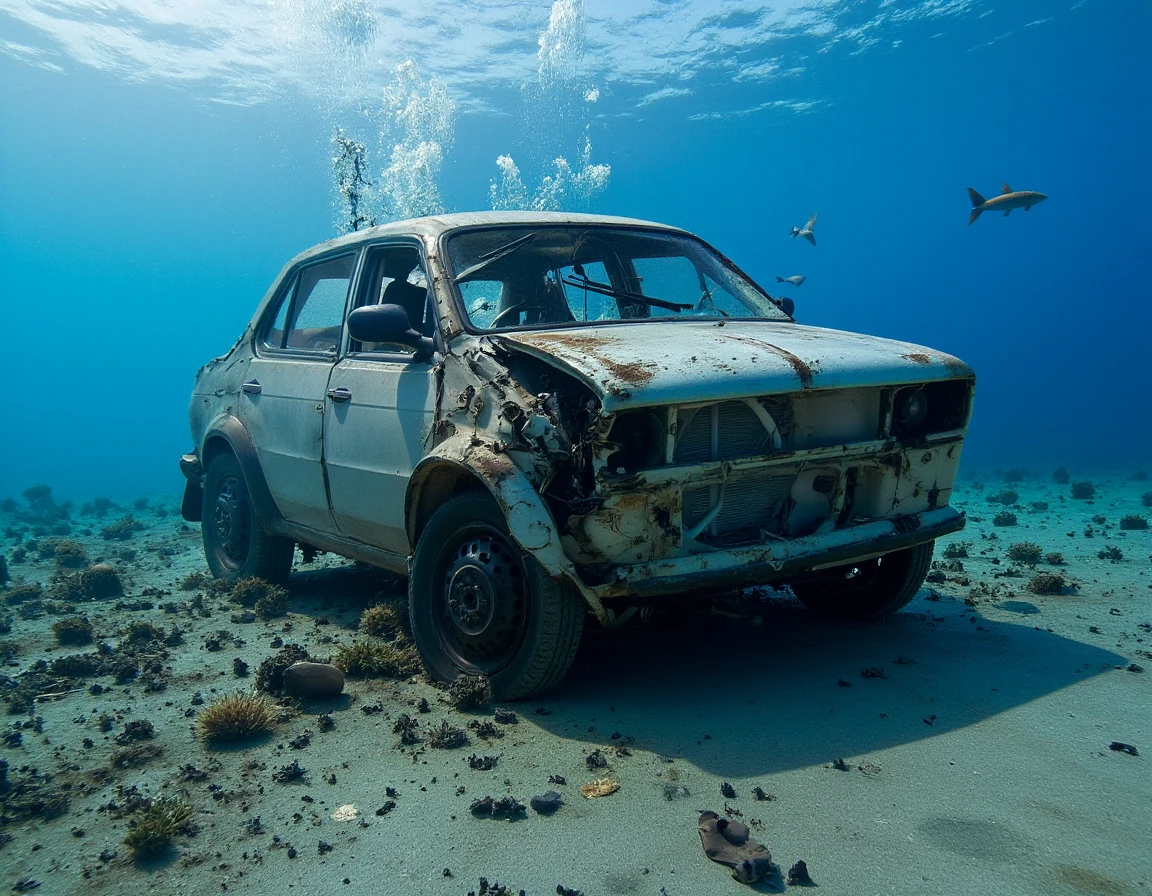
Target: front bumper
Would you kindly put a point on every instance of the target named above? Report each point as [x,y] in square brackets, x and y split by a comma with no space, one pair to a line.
[191,507]
[765,564]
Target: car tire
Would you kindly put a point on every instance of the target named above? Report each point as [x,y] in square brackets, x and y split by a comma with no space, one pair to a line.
[236,545]
[480,605]
[877,588]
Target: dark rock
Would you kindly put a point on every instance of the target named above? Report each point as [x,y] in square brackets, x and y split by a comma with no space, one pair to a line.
[798,875]
[547,802]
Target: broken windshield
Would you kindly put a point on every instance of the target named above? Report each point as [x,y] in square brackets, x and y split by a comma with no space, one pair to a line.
[540,276]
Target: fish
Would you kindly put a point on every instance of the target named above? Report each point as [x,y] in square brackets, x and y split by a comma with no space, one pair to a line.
[795,280]
[1006,201]
[806,230]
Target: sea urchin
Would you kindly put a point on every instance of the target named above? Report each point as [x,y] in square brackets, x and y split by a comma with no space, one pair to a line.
[235,717]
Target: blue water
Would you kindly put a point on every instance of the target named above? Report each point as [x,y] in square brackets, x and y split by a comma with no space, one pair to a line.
[159,165]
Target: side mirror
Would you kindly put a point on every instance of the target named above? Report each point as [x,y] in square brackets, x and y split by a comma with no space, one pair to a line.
[787,306]
[389,324]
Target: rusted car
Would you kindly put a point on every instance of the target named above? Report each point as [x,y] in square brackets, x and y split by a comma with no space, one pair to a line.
[544,417]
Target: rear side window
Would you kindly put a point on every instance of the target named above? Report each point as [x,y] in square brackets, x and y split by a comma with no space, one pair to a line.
[310,314]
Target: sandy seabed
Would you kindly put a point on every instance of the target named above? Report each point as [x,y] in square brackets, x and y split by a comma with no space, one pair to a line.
[963,745]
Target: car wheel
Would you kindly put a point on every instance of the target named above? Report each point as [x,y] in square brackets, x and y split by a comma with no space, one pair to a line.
[869,589]
[235,543]
[481,606]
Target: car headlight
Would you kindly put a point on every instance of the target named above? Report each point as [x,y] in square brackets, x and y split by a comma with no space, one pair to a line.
[910,410]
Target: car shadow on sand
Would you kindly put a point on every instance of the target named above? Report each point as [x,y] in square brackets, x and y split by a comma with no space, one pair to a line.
[781,688]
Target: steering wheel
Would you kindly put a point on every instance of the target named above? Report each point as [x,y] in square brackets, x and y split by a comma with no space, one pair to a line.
[522,306]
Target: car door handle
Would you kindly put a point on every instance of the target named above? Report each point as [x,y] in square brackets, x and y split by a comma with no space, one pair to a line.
[340,394]
[252,387]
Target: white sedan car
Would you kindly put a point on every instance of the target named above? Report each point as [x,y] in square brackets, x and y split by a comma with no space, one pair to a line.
[545,417]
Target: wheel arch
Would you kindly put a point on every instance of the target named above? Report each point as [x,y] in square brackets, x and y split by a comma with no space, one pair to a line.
[227,434]
[459,466]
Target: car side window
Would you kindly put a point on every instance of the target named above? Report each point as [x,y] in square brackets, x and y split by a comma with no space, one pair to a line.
[311,311]
[395,275]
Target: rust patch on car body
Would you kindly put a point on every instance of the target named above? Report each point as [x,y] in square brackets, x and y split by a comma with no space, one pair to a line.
[918,358]
[629,373]
[803,368]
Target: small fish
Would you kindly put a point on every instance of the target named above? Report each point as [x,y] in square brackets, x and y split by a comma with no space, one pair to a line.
[806,230]
[1006,201]
[795,280]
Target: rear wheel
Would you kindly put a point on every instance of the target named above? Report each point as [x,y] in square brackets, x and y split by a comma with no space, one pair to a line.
[481,606]
[235,543]
[869,589]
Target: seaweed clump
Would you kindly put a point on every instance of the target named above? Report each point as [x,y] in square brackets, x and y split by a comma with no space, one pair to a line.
[20,593]
[121,530]
[446,737]
[162,821]
[1047,583]
[69,554]
[270,673]
[388,619]
[1133,521]
[138,633]
[272,605]
[1055,558]
[1083,489]
[470,692]
[97,582]
[1004,496]
[248,592]
[374,659]
[1146,499]
[1026,552]
[74,630]
[1112,553]
[1061,476]
[1004,518]
[235,717]
[29,796]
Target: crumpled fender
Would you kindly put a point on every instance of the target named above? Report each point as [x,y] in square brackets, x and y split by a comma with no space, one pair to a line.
[530,523]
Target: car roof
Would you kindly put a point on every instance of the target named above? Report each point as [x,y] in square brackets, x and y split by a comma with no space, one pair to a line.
[433,226]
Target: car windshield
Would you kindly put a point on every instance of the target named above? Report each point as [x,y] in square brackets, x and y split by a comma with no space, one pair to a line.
[543,275]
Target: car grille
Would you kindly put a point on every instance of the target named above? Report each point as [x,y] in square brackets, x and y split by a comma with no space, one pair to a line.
[750,507]
[728,430]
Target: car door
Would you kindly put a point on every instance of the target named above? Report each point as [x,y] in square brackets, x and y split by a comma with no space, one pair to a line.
[380,407]
[283,398]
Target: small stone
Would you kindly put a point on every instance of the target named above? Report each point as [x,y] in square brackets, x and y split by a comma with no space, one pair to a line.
[311,680]
[546,803]
[728,790]
[798,874]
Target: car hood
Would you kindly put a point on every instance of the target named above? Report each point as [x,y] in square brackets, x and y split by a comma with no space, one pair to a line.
[666,362]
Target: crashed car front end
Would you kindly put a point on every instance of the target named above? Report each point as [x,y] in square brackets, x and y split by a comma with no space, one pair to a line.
[641,499]
[758,488]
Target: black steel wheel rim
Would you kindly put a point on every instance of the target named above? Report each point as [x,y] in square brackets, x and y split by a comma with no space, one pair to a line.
[480,608]
[232,522]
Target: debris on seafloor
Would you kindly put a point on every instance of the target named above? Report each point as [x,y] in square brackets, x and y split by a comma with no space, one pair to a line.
[728,791]
[1119,747]
[729,843]
[598,788]
[505,807]
[798,875]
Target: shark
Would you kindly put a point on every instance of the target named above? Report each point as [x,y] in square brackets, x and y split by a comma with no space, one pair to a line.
[795,280]
[806,230]
[1005,202]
